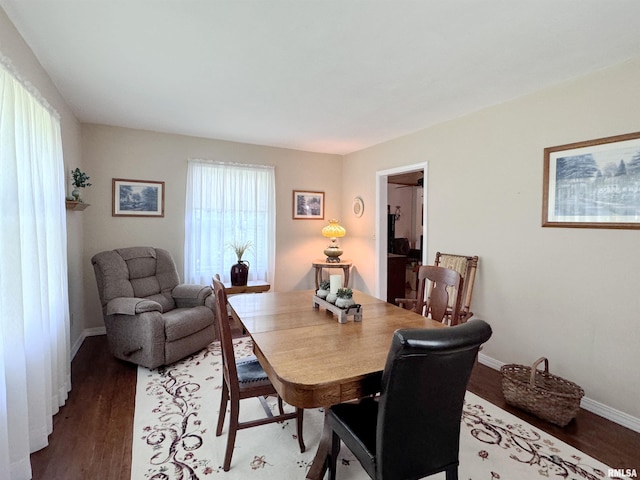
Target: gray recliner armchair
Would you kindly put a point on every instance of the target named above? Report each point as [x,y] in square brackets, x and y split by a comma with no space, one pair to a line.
[151,319]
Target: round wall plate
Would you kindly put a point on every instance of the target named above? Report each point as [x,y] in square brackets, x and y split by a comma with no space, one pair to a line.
[358,206]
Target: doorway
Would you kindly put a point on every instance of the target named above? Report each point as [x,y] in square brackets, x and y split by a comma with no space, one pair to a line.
[389,189]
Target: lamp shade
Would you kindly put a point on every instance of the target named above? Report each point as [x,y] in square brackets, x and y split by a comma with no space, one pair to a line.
[333,230]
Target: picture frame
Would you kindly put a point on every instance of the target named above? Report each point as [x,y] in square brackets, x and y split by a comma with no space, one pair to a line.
[308,205]
[137,198]
[593,184]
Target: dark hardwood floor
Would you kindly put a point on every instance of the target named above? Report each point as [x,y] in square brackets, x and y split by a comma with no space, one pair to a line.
[93,432]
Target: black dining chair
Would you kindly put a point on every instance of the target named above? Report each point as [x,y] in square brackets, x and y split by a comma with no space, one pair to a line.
[412,429]
[243,379]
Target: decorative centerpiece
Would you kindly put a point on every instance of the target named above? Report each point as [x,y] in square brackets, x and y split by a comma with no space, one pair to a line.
[323,291]
[79,181]
[240,271]
[344,298]
[342,305]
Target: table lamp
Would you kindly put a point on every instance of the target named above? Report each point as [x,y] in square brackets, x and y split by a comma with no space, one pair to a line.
[333,231]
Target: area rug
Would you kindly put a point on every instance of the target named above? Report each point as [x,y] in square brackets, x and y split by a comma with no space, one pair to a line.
[177,408]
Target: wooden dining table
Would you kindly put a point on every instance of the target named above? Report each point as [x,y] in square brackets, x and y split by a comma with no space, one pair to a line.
[314,361]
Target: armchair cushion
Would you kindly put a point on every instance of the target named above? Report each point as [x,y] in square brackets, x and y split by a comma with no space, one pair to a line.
[132,306]
[182,322]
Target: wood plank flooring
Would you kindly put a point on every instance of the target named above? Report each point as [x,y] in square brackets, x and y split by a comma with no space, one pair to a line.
[93,432]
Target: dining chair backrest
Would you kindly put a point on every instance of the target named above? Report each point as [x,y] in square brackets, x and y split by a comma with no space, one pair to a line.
[467,267]
[422,395]
[442,284]
[226,338]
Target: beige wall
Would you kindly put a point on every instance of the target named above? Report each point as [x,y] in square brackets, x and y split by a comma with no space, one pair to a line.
[570,295]
[25,63]
[112,152]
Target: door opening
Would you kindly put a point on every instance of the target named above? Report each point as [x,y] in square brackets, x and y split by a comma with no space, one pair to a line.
[400,228]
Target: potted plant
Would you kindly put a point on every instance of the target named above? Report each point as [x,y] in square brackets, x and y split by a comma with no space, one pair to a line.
[323,291]
[240,271]
[345,298]
[80,180]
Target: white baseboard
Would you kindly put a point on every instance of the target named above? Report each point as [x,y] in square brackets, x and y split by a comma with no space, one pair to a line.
[588,404]
[89,332]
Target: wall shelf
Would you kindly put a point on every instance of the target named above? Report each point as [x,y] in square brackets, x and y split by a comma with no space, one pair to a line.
[76,205]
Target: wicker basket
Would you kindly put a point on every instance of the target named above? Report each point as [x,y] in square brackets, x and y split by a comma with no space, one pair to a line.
[544,395]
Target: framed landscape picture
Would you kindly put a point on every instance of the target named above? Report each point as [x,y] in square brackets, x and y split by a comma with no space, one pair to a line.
[137,198]
[593,184]
[308,205]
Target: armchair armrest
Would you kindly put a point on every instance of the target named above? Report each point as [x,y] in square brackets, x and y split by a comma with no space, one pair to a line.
[190,295]
[132,306]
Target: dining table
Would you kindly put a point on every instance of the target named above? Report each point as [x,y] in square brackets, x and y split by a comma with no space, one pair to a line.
[313,360]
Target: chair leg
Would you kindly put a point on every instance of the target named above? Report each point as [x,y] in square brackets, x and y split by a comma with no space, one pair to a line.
[299,420]
[231,436]
[333,456]
[280,405]
[452,474]
[224,398]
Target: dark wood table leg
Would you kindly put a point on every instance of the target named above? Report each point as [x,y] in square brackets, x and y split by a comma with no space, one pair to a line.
[346,276]
[318,276]
[319,463]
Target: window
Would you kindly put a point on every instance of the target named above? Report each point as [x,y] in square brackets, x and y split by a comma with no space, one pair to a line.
[226,203]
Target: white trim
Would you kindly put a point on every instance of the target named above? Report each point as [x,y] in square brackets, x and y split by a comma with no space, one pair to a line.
[381,222]
[588,404]
[89,332]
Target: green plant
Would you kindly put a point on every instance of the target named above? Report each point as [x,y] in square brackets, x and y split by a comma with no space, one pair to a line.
[325,285]
[240,248]
[80,179]
[344,293]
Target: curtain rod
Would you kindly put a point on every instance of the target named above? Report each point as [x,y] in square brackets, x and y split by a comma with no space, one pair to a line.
[229,164]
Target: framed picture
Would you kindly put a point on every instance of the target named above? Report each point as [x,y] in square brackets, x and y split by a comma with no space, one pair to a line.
[137,198]
[593,184]
[308,205]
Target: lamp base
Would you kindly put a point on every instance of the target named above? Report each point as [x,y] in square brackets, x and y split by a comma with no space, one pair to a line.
[333,254]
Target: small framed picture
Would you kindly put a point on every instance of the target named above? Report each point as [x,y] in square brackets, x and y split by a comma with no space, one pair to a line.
[593,184]
[137,198]
[308,205]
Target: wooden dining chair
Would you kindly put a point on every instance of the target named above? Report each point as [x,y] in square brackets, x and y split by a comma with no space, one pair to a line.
[466,266]
[243,379]
[443,283]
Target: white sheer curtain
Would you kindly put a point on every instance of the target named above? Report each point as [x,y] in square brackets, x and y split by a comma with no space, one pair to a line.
[226,203]
[35,371]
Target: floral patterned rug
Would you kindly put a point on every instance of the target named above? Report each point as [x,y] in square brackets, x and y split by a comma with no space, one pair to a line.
[177,409]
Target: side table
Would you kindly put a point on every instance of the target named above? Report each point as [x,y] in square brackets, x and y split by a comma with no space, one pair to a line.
[345,265]
[251,287]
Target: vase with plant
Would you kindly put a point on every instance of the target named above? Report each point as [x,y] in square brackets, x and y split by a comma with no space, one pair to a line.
[345,298]
[240,271]
[323,289]
[80,180]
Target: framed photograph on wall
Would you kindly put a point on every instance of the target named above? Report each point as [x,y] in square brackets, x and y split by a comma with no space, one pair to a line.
[137,198]
[308,205]
[593,184]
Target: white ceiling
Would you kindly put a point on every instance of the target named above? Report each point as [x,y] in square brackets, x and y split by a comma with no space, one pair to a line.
[332,76]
